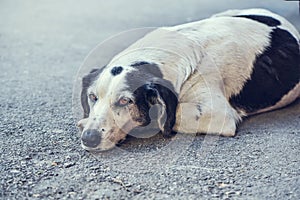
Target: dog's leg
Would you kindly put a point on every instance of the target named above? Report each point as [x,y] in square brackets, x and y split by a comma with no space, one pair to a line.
[214,117]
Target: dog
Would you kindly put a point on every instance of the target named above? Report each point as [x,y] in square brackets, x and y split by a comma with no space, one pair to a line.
[201,77]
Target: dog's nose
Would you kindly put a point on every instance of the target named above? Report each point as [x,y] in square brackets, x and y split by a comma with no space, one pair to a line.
[91,138]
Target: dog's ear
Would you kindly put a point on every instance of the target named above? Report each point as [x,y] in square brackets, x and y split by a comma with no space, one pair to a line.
[165,96]
[87,81]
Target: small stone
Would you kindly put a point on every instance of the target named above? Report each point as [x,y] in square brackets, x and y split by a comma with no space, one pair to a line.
[222,185]
[137,191]
[230,192]
[15,171]
[58,131]
[107,169]
[28,158]
[36,195]
[72,193]
[215,195]
[128,185]
[67,165]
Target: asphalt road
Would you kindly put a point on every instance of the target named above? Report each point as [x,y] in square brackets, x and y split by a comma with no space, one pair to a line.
[42,45]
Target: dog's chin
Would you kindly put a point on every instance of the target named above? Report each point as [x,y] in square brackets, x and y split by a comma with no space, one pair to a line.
[98,149]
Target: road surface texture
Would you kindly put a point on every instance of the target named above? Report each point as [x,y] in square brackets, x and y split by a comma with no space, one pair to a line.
[43,44]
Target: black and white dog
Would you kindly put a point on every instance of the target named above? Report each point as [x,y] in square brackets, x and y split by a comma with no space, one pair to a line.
[205,76]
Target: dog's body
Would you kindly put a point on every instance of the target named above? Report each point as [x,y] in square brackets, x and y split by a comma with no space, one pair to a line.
[206,76]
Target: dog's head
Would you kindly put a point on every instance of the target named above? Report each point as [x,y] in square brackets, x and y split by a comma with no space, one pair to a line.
[118,99]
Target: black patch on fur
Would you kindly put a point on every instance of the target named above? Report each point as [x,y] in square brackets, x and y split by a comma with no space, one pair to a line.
[116,70]
[275,72]
[267,20]
[145,69]
[170,99]
[199,109]
[136,64]
[147,96]
[86,83]
[147,84]
[142,101]
[144,73]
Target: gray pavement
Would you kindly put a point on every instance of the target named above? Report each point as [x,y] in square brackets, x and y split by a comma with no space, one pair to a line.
[42,45]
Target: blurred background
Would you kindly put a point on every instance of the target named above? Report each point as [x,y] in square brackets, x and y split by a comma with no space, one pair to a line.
[90,21]
[55,36]
[77,26]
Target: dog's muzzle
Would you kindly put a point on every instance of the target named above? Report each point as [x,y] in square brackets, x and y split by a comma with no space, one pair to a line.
[91,138]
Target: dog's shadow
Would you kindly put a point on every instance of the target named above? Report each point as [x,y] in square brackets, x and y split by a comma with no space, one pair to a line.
[285,119]
[148,140]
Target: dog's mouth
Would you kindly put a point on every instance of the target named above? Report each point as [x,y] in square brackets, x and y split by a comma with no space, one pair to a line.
[116,136]
[99,148]
[95,151]
[137,132]
[107,140]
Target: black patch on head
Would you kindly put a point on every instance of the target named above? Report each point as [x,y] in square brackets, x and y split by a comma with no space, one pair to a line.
[142,96]
[267,20]
[148,95]
[142,74]
[147,85]
[275,73]
[86,83]
[170,99]
[116,70]
[136,64]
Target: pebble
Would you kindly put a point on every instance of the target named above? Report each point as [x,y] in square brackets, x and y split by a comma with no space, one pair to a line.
[58,131]
[15,171]
[67,165]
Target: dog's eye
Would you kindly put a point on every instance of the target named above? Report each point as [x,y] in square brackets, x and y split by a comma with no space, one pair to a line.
[93,97]
[124,101]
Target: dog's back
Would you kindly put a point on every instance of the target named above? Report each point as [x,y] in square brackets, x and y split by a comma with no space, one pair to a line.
[255,51]
[279,64]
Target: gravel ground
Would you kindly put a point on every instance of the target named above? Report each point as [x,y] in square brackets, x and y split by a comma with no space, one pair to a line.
[42,45]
